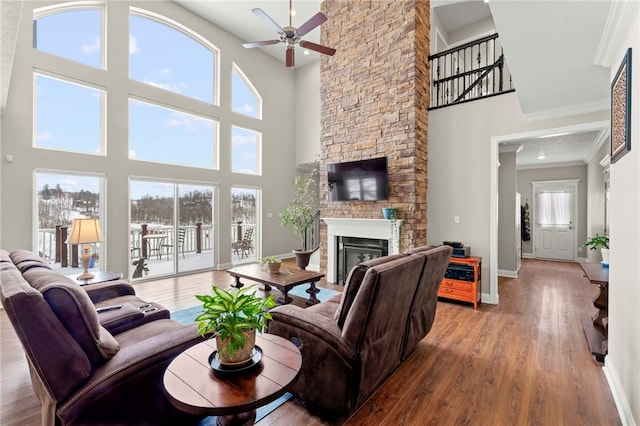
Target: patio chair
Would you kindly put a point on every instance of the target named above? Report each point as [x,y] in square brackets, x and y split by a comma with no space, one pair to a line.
[181,236]
[245,247]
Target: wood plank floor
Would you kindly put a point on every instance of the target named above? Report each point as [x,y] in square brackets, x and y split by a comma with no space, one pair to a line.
[522,362]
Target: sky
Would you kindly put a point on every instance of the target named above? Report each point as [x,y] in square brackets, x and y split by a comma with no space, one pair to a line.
[68,115]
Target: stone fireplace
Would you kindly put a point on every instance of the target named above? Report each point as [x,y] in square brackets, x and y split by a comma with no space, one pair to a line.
[384,230]
[374,98]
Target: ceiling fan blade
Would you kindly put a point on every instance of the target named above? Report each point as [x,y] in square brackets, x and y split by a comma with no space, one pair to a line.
[313,22]
[291,55]
[317,47]
[267,19]
[261,43]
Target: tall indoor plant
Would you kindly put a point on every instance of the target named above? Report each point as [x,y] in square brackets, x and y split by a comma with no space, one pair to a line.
[233,316]
[300,213]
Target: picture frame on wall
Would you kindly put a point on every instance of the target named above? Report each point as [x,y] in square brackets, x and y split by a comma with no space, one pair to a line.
[621,110]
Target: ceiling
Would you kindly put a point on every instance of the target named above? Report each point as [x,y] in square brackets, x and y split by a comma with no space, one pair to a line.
[236,18]
[550,47]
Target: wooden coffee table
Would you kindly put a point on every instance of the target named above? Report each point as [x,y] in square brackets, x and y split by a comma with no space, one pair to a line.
[192,386]
[284,280]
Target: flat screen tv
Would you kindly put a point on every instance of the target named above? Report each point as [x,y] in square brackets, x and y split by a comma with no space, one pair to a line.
[364,180]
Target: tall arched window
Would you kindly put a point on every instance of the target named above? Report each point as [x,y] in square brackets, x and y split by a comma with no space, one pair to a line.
[72,31]
[165,55]
[245,98]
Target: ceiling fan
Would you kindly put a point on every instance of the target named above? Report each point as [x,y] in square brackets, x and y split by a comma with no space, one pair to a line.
[291,35]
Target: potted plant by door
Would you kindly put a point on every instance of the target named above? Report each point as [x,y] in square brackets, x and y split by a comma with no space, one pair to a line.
[233,316]
[273,264]
[599,242]
[300,213]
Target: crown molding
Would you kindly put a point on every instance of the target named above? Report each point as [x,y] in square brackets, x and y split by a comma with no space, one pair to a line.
[571,110]
[614,29]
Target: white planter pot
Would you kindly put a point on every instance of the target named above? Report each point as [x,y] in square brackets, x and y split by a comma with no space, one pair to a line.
[605,255]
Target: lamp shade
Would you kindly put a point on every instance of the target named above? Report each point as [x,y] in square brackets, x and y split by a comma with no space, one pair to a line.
[85,231]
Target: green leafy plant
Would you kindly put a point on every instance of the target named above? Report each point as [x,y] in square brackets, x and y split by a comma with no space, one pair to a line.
[597,242]
[231,313]
[270,259]
[299,214]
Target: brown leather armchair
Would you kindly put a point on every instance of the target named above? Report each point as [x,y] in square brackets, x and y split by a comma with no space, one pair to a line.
[351,344]
[81,372]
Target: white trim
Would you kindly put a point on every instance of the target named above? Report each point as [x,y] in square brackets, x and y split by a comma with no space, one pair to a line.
[493,297]
[568,111]
[624,411]
[614,29]
[508,274]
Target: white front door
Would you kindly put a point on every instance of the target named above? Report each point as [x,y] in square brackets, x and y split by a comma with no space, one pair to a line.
[555,209]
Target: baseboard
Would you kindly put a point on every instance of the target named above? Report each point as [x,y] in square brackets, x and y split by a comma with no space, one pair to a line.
[486,298]
[508,274]
[527,256]
[624,411]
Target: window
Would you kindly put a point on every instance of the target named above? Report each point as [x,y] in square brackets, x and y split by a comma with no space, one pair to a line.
[60,199]
[68,116]
[72,34]
[166,57]
[245,149]
[245,99]
[245,207]
[169,136]
[554,208]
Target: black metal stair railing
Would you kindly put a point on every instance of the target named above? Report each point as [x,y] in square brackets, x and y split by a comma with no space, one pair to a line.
[312,233]
[474,70]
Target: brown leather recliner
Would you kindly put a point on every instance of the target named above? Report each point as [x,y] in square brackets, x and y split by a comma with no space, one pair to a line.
[81,372]
[351,344]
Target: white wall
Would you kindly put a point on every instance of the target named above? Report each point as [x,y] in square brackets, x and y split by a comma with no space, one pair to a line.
[622,364]
[596,206]
[275,83]
[460,148]
[507,251]
[307,118]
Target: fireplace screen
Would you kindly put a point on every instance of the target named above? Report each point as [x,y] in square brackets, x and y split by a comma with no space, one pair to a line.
[352,251]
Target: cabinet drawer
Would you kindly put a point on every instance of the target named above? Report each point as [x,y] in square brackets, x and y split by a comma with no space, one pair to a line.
[458,285]
[456,293]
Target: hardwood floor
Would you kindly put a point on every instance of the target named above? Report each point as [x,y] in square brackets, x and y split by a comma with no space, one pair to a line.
[522,362]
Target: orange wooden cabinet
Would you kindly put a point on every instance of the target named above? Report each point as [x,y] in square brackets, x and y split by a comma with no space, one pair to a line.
[462,280]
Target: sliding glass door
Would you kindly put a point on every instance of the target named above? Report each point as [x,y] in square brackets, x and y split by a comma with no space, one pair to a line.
[171,228]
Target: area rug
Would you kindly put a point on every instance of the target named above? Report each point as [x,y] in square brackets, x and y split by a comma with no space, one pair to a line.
[188,315]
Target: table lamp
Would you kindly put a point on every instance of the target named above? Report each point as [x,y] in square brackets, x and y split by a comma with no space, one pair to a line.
[85,231]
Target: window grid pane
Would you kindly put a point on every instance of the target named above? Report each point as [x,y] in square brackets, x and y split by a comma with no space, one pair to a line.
[74,35]
[164,57]
[245,146]
[168,136]
[244,100]
[68,116]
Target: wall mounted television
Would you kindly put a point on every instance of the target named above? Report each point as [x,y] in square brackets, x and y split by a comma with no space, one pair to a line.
[363,180]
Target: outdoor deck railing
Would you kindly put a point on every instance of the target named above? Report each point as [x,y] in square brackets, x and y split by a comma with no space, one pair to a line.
[197,239]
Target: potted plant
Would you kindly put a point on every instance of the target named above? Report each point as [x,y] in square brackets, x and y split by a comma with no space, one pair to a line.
[233,316]
[272,262]
[300,213]
[599,242]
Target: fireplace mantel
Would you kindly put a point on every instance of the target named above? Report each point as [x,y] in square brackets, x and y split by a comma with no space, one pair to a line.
[383,229]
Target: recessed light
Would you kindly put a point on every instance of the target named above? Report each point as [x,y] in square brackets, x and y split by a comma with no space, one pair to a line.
[541,157]
[306,52]
[293,12]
